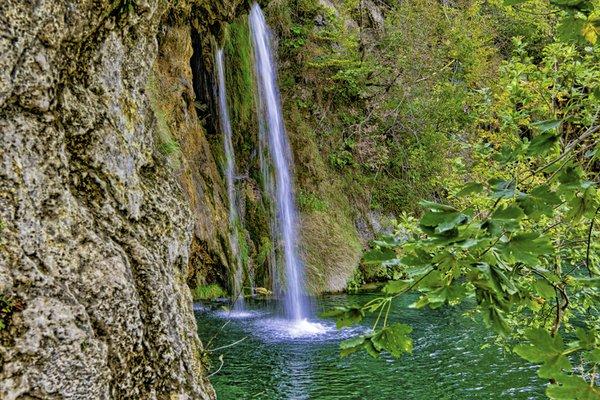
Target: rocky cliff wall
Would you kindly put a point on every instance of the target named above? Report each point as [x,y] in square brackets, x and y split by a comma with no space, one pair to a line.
[96,230]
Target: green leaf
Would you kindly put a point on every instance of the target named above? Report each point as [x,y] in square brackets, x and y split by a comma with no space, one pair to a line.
[450,294]
[421,302]
[570,178]
[567,3]
[508,154]
[571,28]
[530,353]
[470,188]
[419,258]
[430,205]
[527,247]
[543,192]
[544,289]
[345,316]
[509,212]
[388,241]
[370,348]
[395,287]
[592,356]
[503,189]
[442,222]
[547,350]
[583,204]
[538,202]
[553,366]
[571,387]
[587,282]
[394,339]
[494,317]
[542,144]
[513,2]
[376,257]
[492,227]
[351,345]
[547,125]
[351,317]
[587,339]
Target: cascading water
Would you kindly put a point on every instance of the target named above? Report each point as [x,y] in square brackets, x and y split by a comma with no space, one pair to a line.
[273,131]
[234,221]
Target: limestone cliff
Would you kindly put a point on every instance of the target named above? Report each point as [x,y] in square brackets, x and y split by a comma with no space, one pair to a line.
[96,231]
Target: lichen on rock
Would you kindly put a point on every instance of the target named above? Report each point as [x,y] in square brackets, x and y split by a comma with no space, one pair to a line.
[96,231]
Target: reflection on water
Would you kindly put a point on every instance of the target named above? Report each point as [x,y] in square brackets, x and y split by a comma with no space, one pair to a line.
[278,361]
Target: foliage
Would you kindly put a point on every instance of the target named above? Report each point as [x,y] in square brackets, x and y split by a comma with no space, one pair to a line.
[310,202]
[384,103]
[579,19]
[208,292]
[355,282]
[519,239]
[8,305]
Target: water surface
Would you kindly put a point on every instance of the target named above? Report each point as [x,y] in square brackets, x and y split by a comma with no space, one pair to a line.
[448,361]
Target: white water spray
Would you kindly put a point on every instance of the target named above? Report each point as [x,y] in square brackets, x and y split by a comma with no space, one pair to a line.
[234,220]
[271,120]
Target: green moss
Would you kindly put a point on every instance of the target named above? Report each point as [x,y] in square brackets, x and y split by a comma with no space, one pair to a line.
[7,308]
[329,238]
[166,143]
[208,292]
[310,202]
[266,246]
[239,72]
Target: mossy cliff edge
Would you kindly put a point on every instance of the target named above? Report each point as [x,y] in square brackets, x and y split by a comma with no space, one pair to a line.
[97,234]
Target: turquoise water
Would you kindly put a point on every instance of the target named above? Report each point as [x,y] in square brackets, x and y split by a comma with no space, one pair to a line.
[447,363]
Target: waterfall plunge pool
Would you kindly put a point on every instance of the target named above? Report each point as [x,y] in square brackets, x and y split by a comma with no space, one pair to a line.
[279,360]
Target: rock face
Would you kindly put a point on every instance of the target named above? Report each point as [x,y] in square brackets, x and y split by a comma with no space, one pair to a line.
[95,233]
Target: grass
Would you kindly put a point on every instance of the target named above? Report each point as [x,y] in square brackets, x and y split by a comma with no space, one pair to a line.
[208,292]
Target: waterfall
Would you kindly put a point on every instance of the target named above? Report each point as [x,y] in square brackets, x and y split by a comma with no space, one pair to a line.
[234,220]
[273,130]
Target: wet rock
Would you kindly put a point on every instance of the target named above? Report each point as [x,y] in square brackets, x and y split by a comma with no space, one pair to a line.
[95,232]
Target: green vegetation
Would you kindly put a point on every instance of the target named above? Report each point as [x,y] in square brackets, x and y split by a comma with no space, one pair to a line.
[166,143]
[8,306]
[208,292]
[383,101]
[310,202]
[511,230]
[240,89]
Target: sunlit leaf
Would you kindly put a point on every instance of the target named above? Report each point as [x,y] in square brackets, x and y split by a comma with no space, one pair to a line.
[544,349]
[544,289]
[394,339]
[399,286]
[590,32]
[570,387]
[527,247]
